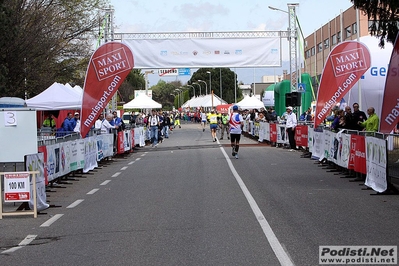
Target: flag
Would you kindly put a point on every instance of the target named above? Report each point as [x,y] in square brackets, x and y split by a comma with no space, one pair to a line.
[345,65]
[108,68]
[390,101]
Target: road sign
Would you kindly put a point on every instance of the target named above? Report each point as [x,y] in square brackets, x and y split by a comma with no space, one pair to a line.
[16,187]
[184,72]
[301,87]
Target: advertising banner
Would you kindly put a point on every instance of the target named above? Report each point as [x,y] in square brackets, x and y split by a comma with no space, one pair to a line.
[376,162]
[90,156]
[301,135]
[108,68]
[273,133]
[206,52]
[35,162]
[345,65]
[390,105]
[360,153]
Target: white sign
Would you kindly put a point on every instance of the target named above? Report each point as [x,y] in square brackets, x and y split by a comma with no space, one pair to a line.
[10,118]
[138,92]
[168,72]
[16,187]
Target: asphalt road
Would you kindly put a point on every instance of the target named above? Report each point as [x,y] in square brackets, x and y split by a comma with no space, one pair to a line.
[189,202]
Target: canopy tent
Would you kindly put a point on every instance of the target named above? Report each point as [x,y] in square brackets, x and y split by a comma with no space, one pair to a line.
[142,101]
[204,101]
[250,102]
[56,97]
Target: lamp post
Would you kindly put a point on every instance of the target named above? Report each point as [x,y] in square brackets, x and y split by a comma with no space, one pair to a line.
[206,86]
[146,80]
[192,87]
[178,99]
[199,85]
[210,81]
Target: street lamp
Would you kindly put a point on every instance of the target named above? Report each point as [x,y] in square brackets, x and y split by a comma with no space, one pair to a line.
[210,81]
[191,87]
[178,99]
[199,85]
[206,86]
[146,80]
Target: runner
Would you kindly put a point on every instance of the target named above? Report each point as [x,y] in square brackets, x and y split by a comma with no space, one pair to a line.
[213,121]
[236,123]
[203,120]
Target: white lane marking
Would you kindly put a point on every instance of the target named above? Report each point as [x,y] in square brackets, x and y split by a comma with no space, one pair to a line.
[132,162]
[91,192]
[124,168]
[25,242]
[51,220]
[105,182]
[76,203]
[116,174]
[275,244]
[143,155]
[138,159]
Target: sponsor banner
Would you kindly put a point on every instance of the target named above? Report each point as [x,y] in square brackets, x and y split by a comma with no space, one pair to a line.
[90,158]
[42,149]
[273,133]
[390,104]
[359,143]
[310,138]
[65,158]
[343,151]
[376,162]
[35,162]
[53,161]
[255,130]
[352,152]
[345,65]
[108,68]
[330,146]
[318,144]
[205,52]
[301,135]
[119,143]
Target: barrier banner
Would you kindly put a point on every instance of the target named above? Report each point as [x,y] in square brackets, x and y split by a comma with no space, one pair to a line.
[76,157]
[330,146]
[301,135]
[343,151]
[273,133]
[360,153]
[267,131]
[376,162]
[43,150]
[261,132]
[310,138]
[35,162]
[390,106]
[352,153]
[132,139]
[318,144]
[90,154]
[65,158]
[119,143]
[282,137]
[53,161]
[255,131]
[108,67]
[345,65]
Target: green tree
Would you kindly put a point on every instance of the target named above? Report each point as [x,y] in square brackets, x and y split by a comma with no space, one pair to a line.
[166,93]
[134,81]
[224,82]
[45,41]
[384,18]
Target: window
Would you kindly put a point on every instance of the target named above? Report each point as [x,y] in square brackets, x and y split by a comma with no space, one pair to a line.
[326,43]
[354,28]
[334,39]
[307,54]
[319,47]
[348,32]
[338,36]
[313,51]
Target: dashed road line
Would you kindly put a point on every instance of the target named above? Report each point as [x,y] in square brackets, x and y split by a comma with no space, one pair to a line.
[116,174]
[131,163]
[91,192]
[124,168]
[28,239]
[76,203]
[138,159]
[105,182]
[51,220]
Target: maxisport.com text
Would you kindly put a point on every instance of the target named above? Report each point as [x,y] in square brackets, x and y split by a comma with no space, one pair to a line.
[333,100]
[102,101]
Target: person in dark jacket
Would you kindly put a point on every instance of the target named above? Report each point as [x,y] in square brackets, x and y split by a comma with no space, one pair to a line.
[359,116]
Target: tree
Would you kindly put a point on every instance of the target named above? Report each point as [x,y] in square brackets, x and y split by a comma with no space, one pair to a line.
[44,41]
[134,81]
[384,18]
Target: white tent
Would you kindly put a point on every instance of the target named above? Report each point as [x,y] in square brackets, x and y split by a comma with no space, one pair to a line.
[56,97]
[250,102]
[204,101]
[142,101]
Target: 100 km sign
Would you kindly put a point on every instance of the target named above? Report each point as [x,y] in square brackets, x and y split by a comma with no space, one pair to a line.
[16,187]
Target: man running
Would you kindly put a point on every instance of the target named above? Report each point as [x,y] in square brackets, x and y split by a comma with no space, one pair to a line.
[203,119]
[213,121]
[236,123]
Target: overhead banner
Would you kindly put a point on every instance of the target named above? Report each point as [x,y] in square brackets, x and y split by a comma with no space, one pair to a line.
[390,103]
[206,52]
[108,68]
[345,65]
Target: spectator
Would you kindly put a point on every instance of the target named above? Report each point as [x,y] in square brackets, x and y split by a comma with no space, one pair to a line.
[132,119]
[49,122]
[117,121]
[99,121]
[359,116]
[106,124]
[224,125]
[153,124]
[77,122]
[73,121]
[372,123]
[290,124]
[139,120]
[67,124]
[166,125]
[339,120]
[349,119]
